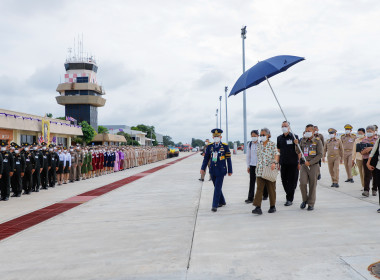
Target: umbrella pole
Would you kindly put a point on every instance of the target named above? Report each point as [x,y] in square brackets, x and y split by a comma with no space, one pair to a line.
[282,111]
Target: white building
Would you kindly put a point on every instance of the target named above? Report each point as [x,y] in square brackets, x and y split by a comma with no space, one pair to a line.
[139,136]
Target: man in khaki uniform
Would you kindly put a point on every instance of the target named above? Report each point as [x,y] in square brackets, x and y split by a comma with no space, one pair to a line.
[348,141]
[334,150]
[80,156]
[312,150]
[74,164]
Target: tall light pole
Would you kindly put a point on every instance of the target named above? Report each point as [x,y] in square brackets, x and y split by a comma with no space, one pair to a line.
[220,112]
[216,115]
[225,94]
[243,36]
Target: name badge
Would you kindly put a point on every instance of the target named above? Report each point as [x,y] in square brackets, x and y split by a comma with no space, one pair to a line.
[36,156]
[44,156]
[350,140]
[336,148]
[27,159]
[5,160]
[214,156]
[306,152]
[289,142]
[17,162]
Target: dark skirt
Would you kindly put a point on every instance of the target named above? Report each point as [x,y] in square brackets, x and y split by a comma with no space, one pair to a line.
[67,170]
[60,167]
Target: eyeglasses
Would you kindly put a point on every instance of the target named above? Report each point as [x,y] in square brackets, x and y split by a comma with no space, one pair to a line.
[262,135]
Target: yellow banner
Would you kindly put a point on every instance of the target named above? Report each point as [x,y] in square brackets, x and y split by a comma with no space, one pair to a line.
[46,131]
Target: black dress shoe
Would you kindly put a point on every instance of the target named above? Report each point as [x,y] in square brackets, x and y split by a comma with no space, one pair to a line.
[319,177]
[348,180]
[18,195]
[214,209]
[351,180]
[303,205]
[257,211]
[14,195]
[378,210]
[221,205]
[6,198]
[201,180]
[288,203]
[265,198]
[248,201]
[333,185]
[336,185]
[272,209]
[310,208]
[37,190]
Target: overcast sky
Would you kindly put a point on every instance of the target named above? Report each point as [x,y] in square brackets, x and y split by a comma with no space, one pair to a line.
[165,63]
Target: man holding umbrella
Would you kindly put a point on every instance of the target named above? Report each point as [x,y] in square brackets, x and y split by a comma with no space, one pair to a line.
[219,154]
[312,150]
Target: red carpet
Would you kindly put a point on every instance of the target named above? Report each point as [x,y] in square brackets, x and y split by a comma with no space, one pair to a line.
[19,224]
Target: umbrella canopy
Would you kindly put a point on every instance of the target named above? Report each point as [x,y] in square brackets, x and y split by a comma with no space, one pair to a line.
[262,70]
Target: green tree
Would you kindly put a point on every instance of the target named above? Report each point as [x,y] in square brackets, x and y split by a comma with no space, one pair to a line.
[49,115]
[61,118]
[149,130]
[102,129]
[197,142]
[167,140]
[129,139]
[88,132]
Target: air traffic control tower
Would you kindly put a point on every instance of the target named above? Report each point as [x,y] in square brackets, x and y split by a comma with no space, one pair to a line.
[80,93]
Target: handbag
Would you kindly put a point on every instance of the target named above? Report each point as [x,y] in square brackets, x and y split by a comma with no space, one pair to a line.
[269,174]
[355,170]
[375,157]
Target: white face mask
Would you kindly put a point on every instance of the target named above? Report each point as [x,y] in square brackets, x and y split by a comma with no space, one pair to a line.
[285,129]
[369,134]
[35,148]
[308,134]
[217,139]
[17,151]
[26,149]
[43,148]
[50,150]
[263,138]
[331,136]
[65,151]
[71,150]
[3,148]
[254,139]
[360,136]
[316,132]
[348,131]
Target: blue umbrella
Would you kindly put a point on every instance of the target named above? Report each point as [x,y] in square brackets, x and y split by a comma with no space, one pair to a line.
[264,70]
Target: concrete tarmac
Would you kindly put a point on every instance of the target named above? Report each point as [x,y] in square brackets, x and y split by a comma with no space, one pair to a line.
[161,227]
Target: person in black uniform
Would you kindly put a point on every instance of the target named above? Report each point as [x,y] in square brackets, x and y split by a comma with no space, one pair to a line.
[289,162]
[45,166]
[219,154]
[38,168]
[19,171]
[8,167]
[53,163]
[27,180]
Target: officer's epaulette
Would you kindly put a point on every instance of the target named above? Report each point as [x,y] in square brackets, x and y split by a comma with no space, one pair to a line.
[353,134]
[224,143]
[317,138]
[210,144]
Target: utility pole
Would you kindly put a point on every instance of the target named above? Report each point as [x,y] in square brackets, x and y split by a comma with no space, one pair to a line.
[216,115]
[243,37]
[220,112]
[225,91]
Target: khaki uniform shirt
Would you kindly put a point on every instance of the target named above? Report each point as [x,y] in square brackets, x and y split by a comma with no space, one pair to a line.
[312,149]
[333,148]
[348,142]
[74,158]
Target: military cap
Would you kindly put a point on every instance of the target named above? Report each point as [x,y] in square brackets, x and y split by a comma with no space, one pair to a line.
[216,132]
[17,146]
[3,144]
[348,126]
[13,144]
[332,130]
[24,144]
[51,146]
[34,144]
[43,144]
[64,148]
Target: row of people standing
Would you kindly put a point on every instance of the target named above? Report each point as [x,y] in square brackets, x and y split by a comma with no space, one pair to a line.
[34,167]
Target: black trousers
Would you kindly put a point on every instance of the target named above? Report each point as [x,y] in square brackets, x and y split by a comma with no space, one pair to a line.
[252,184]
[36,179]
[27,181]
[368,176]
[52,177]
[16,182]
[377,174]
[289,178]
[5,184]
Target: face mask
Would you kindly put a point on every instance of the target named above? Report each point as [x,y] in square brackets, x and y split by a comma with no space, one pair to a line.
[26,149]
[35,148]
[360,136]
[50,150]
[217,139]
[65,152]
[3,148]
[308,134]
[348,131]
[263,138]
[315,132]
[254,139]
[331,136]
[43,148]
[17,151]
[285,129]
[71,150]
[369,134]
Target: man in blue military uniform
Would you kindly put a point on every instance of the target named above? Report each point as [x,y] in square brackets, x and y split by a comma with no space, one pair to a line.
[219,154]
